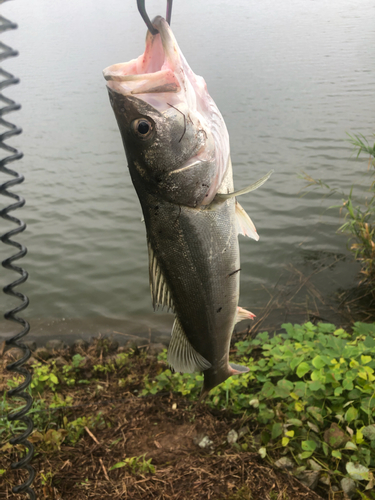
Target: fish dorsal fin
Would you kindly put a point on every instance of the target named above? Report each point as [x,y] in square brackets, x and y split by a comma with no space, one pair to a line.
[244,224]
[182,356]
[248,189]
[160,293]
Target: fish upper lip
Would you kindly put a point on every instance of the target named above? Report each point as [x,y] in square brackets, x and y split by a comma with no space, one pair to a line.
[158,64]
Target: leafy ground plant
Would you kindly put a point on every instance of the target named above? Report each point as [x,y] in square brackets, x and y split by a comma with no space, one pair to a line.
[277,410]
[311,391]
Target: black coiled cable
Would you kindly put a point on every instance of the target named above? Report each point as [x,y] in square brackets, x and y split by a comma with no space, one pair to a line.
[17,367]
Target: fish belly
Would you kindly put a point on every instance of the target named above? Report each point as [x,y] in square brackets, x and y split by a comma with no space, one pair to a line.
[198,254]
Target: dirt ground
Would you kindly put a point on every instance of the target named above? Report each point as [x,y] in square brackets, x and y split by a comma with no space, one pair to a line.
[166,429]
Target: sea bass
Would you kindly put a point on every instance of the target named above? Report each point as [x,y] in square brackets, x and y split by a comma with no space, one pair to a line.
[177,147]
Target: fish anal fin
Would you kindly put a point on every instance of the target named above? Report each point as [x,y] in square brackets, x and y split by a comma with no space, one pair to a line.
[160,292]
[245,225]
[182,356]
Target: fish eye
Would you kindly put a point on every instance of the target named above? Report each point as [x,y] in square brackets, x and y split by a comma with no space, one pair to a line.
[142,127]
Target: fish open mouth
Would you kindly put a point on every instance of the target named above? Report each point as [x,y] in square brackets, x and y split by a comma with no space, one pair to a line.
[152,72]
[162,78]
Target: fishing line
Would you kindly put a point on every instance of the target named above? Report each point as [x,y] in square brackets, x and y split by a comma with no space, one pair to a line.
[13,155]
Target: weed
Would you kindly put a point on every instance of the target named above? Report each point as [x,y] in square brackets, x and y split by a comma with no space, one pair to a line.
[359,222]
[44,376]
[76,427]
[136,465]
[49,441]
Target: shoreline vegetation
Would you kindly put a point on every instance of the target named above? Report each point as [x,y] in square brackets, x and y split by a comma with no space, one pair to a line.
[113,421]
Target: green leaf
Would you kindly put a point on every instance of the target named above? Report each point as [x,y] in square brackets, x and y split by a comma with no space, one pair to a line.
[338,391]
[300,388]
[317,375]
[277,430]
[338,332]
[336,454]
[316,385]
[296,361]
[325,449]
[268,390]
[302,369]
[318,362]
[369,342]
[285,384]
[315,412]
[308,445]
[265,415]
[347,384]
[365,359]
[285,441]
[294,421]
[283,388]
[359,437]
[351,414]
[54,379]
[305,454]
[298,406]
[118,465]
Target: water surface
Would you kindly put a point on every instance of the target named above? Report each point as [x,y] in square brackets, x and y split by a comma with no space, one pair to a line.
[290,78]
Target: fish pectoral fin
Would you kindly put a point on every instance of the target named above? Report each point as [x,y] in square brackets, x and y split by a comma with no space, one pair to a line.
[182,356]
[243,314]
[245,225]
[160,293]
[238,369]
[248,189]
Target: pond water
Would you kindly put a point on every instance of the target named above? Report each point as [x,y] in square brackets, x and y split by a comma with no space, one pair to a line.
[290,78]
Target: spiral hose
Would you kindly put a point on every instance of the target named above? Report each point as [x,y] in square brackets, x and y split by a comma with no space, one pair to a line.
[14,154]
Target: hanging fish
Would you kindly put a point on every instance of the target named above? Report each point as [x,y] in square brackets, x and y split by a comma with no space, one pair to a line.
[177,147]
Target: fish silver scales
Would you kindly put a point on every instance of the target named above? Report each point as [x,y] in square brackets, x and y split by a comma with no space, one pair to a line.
[199,259]
[177,147]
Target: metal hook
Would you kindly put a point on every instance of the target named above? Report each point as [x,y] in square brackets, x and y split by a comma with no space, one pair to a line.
[142,11]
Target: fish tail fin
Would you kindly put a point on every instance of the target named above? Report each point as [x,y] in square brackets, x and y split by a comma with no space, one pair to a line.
[238,369]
